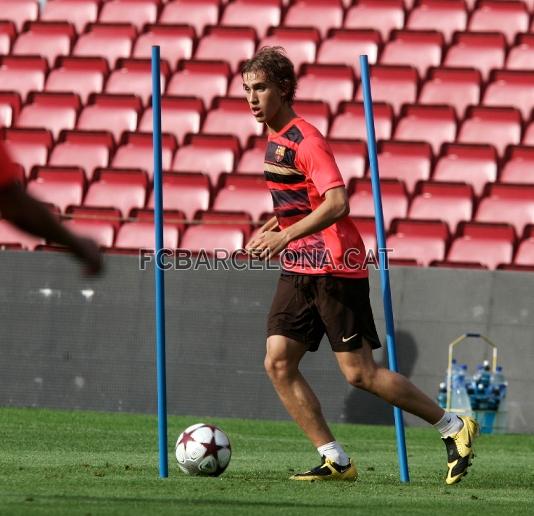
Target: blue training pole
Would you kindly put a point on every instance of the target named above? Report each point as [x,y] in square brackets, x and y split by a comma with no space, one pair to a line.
[160,284]
[383,261]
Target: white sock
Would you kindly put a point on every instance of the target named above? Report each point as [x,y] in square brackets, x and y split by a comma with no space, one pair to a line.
[335,452]
[449,424]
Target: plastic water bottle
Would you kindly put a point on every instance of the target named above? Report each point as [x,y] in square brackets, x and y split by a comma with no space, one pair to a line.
[501,419]
[442,395]
[460,401]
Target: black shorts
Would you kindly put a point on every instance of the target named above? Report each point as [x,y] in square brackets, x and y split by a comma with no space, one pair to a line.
[306,306]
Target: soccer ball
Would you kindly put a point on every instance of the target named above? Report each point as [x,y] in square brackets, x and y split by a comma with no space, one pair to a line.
[203,450]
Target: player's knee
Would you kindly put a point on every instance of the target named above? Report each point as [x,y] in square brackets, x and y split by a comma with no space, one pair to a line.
[361,378]
[278,368]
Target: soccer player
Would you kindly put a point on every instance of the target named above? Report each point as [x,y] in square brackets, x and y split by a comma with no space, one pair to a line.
[28,214]
[320,290]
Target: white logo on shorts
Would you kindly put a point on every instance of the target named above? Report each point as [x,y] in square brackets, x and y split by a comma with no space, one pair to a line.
[343,339]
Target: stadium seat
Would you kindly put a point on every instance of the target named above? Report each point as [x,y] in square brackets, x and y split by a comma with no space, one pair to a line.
[228,219]
[81,75]
[394,84]
[77,12]
[450,202]
[521,57]
[114,113]
[407,161]
[322,14]
[525,250]
[458,87]
[483,51]
[209,154]
[28,147]
[137,152]
[446,16]
[179,116]
[244,192]
[351,157]
[136,12]
[510,203]
[499,127]
[233,44]
[260,14]
[253,158]
[381,15]
[421,49]
[117,188]
[528,136]
[172,217]
[299,43]
[53,39]
[60,186]
[350,122]
[488,244]
[175,42]
[9,234]
[421,240]
[519,166]
[367,229]
[433,124]
[334,83]
[187,192]
[23,74]
[53,111]
[204,79]
[141,235]
[86,149]
[20,11]
[198,13]
[110,215]
[510,18]
[315,112]
[209,239]
[232,115]
[475,165]
[101,231]
[511,88]
[7,36]
[10,104]
[394,200]
[108,40]
[134,76]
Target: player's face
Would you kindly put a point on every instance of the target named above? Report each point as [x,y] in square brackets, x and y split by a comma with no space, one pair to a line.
[263,97]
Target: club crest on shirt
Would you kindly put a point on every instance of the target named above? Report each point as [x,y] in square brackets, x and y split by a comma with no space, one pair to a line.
[279,153]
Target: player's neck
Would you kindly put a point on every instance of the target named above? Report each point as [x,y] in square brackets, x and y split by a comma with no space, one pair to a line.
[284,115]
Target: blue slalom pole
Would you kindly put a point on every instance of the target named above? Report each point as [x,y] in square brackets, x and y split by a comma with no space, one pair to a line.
[160,284]
[383,260]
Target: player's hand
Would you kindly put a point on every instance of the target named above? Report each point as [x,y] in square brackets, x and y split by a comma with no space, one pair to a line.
[268,244]
[87,251]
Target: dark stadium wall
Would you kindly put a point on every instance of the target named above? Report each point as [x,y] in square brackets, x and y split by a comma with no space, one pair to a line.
[73,342]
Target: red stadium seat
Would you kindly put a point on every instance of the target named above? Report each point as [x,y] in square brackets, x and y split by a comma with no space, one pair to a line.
[20,11]
[228,219]
[381,15]
[511,88]
[141,235]
[28,147]
[488,244]
[483,51]
[351,158]
[434,124]
[81,75]
[77,12]
[528,137]
[350,122]
[136,12]
[446,16]
[421,240]
[407,161]
[458,87]
[86,149]
[260,14]
[137,152]
[187,192]
[394,84]
[209,154]
[204,79]
[421,49]
[510,18]
[394,200]
[198,13]
[510,203]
[60,186]
[122,189]
[175,42]
[54,111]
[495,126]
[475,165]
[179,116]
[233,44]
[519,167]
[114,113]
[171,217]
[109,40]
[244,192]
[521,57]
[253,158]
[525,252]
[232,115]
[23,74]
[315,112]
[111,215]
[332,82]
[367,229]
[10,104]
[7,36]
[450,202]
[101,231]
[322,14]
[209,238]
[9,234]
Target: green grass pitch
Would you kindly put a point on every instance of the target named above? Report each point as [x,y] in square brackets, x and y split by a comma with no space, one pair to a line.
[87,463]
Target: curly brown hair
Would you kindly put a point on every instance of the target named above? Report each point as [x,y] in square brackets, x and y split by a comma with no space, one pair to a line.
[278,69]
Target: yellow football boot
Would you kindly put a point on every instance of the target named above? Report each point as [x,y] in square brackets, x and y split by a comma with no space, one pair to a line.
[460,450]
[329,470]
